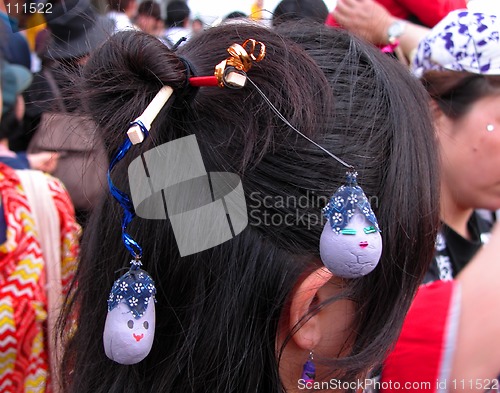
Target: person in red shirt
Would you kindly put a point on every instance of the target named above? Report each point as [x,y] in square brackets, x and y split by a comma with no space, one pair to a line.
[425,12]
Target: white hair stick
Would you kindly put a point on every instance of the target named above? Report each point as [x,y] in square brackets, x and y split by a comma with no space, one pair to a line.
[135,133]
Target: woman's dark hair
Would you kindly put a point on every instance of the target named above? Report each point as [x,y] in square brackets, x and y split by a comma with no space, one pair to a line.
[289,10]
[455,91]
[235,15]
[177,13]
[119,5]
[374,128]
[10,125]
[149,8]
[218,310]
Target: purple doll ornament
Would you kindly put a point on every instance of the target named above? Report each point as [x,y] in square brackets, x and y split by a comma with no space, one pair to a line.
[130,323]
[350,245]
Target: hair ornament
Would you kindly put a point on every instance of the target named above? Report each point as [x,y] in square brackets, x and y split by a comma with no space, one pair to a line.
[350,244]
[232,72]
[130,324]
[140,127]
[348,199]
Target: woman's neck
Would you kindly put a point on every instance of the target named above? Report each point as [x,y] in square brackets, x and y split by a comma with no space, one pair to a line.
[455,215]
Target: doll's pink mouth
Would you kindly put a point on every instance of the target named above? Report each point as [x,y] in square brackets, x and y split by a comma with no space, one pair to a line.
[363,244]
[138,337]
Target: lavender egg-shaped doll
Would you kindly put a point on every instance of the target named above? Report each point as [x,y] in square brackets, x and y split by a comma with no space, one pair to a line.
[130,323]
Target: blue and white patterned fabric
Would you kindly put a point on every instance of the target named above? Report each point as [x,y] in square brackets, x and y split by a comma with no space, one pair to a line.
[346,201]
[464,40]
[136,289]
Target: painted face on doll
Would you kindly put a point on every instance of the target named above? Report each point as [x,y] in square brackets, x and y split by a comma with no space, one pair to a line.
[353,252]
[128,340]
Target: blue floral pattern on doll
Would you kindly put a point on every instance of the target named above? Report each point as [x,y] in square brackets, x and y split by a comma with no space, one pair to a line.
[347,200]
[453,44]
[130,324]
[135,288]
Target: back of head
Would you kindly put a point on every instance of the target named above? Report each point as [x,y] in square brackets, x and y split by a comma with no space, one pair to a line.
[177,13]
[235,15]
[76,29]
[119,5]
[13,44]
[14,79]
[219,311]
[149,8]
[288,10]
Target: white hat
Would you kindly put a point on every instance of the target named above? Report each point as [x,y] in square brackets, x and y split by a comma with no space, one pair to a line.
[464,40]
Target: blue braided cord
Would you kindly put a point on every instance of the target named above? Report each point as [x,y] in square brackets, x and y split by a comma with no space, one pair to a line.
[122,198]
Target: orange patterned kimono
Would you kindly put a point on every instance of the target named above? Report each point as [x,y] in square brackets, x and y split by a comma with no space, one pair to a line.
[23,300]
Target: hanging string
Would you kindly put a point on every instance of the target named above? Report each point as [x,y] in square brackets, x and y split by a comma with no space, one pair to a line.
[283,118]
[123,199]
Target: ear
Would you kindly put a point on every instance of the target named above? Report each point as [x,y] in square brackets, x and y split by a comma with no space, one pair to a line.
[304,298]
[435,109]
[442,123]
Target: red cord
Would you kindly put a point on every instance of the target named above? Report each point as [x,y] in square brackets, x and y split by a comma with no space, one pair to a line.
[203,81]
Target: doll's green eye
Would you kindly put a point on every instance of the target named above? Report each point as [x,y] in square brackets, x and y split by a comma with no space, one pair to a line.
[348,231]
[371,229]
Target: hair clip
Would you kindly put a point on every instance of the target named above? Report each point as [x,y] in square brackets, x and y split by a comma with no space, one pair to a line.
[350,244]
[232,72]
[130,323]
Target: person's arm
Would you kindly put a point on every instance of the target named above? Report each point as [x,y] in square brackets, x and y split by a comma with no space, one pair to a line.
[477,358]
[370,20]
[45,161]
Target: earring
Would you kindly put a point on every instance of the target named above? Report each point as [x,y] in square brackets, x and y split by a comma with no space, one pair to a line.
[350,245]
[309,370]
[490,127]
